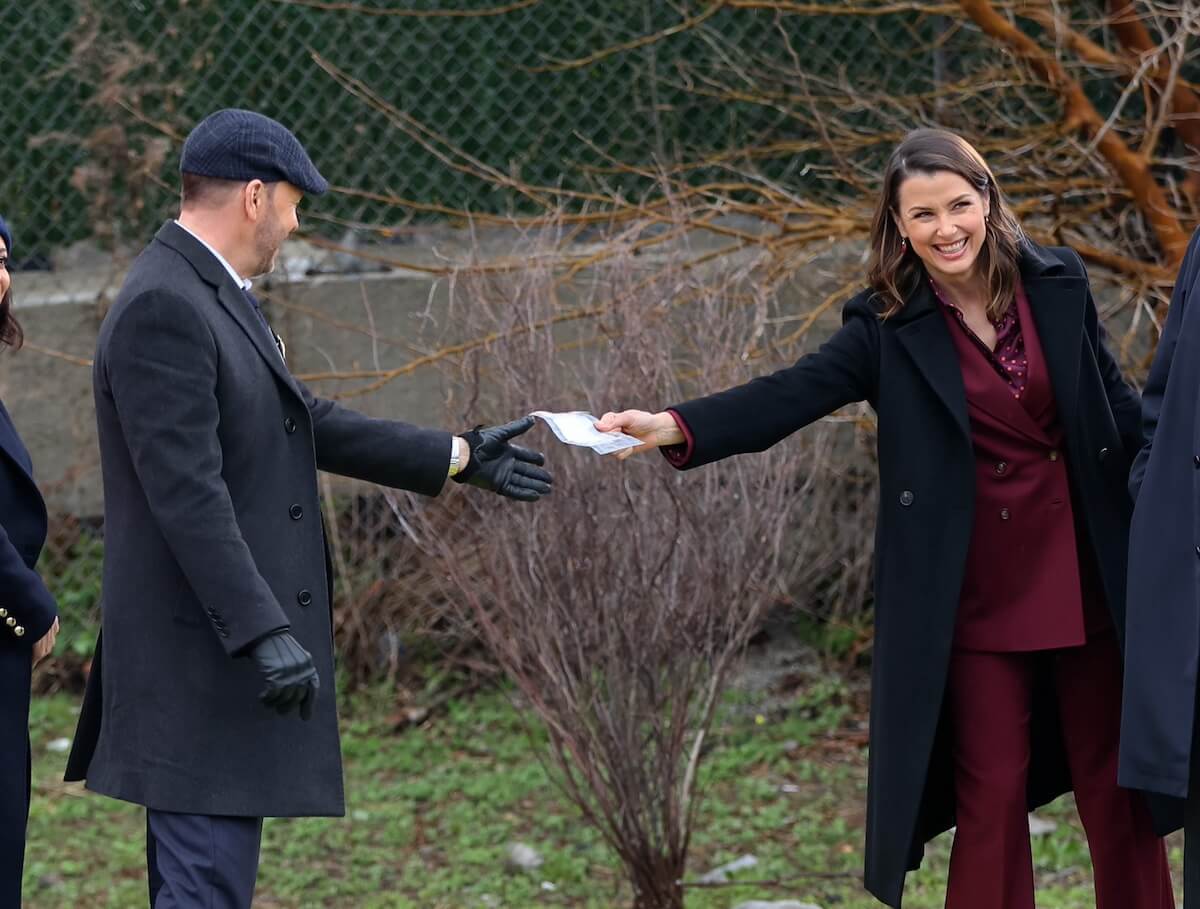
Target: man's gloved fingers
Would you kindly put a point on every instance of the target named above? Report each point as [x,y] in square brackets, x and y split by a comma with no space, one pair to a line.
[511,430]
[524,481]
[527,455]
[531,472]
[513,491]
[288,699]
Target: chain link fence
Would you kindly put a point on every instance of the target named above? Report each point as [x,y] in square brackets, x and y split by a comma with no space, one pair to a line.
[92,137]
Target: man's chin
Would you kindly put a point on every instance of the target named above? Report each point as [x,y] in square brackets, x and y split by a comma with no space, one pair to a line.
[265,268]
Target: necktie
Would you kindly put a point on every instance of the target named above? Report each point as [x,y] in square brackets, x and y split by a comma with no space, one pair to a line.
[257,306]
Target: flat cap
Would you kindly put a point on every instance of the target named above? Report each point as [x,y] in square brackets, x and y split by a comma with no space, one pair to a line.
[243,145]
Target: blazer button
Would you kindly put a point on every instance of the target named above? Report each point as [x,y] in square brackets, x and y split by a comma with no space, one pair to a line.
[3,613]
[1198,550]
[296,512]
[289,426]
[1103,454]
[1195,460]
[304,598]
[1004,515]
[906,498]
[1001,468]
[223,632]
[10,621]
[19,631]
[1054,455]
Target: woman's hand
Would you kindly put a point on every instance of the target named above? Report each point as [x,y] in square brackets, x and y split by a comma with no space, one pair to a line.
[42,648]
[654,429]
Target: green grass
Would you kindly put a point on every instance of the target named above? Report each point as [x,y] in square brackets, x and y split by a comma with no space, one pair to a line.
[431,812]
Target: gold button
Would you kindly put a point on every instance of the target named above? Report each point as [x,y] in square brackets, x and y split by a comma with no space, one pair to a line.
[1054,456]
[3,613]
[10,621]
[18,631]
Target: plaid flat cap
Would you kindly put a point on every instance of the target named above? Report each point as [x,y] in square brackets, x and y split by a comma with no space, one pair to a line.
[242,145]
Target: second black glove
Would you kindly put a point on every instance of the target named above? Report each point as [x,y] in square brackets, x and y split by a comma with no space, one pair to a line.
[288,670]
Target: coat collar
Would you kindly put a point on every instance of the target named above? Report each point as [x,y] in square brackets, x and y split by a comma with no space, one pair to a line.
[1057,301]
[11,444]
[232,298]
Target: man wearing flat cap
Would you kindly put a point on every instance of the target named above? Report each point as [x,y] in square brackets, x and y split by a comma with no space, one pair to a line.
[211,698]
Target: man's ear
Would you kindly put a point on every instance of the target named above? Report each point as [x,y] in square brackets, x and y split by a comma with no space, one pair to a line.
[254,199]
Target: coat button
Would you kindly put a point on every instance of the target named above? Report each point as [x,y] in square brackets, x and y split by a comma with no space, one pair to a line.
[19,631]
[1195,460]
[296,512]
[223,632]
[1054,455]
[304,598]
[1004,514]
[906,498]
[10,621]
[3,613]
[1103,454]
[1001,468]
[289,426]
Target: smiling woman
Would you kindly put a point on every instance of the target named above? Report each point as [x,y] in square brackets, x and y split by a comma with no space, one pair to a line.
[28,613]
[1005,434]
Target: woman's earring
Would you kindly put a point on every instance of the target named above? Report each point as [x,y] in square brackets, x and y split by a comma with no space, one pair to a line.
[903,245]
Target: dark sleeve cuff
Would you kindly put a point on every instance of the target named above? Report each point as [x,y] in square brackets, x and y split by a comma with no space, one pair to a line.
[679,455]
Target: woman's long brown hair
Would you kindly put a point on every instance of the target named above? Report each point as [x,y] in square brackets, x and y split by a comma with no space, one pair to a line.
[894,270]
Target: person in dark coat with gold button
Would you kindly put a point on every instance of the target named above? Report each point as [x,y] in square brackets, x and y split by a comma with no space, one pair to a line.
[1005,431]
[1160,752]
[211,698]
[28,613]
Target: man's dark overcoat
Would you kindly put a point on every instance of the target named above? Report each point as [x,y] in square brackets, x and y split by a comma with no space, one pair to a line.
[907,368]
[1163,622]
[213,538]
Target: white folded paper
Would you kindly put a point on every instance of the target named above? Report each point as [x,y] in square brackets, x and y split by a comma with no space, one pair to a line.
[577,427]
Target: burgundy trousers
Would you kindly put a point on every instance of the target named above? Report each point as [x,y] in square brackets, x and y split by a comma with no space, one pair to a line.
[991,866]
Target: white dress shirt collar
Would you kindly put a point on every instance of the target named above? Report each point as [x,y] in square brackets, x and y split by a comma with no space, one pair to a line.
[243,283]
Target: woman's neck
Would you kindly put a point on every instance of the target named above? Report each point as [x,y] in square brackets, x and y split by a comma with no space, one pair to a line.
[967,291]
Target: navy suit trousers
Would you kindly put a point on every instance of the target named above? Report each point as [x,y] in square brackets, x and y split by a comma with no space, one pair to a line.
[201,861]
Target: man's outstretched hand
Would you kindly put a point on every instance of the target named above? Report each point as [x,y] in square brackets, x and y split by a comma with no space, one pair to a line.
[509,470]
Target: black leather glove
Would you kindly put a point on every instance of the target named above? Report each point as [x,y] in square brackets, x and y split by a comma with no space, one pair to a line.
[506,469]
[288,670]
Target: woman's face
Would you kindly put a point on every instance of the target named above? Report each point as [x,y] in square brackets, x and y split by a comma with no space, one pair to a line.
[4,278]
[944,219]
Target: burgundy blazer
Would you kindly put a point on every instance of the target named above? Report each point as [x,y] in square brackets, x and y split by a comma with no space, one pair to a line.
[1022,587]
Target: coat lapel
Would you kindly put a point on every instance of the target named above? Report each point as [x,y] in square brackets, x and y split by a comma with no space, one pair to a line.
[926,339]
[14,449]
[239,308]
[11,444]
[229,295]
[1058,304]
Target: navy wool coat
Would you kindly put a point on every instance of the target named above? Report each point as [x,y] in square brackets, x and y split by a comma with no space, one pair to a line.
[30,611]
[1163,625]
